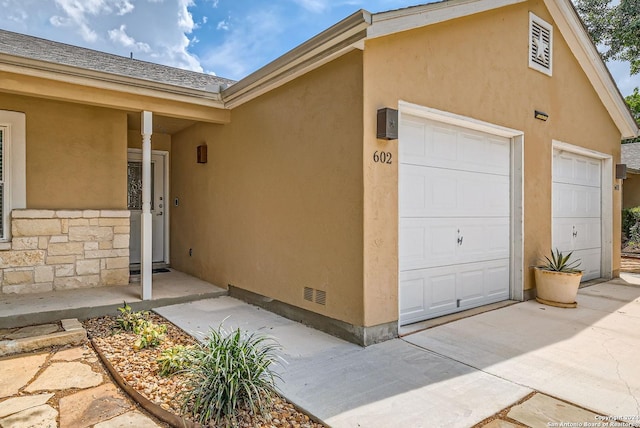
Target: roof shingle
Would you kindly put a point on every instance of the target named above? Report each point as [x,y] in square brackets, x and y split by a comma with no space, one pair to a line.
[60,53]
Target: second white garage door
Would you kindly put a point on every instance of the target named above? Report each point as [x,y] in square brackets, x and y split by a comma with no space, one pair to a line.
[577,224]
[454,187]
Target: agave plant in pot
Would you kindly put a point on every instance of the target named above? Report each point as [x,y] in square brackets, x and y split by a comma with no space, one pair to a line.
[557,280]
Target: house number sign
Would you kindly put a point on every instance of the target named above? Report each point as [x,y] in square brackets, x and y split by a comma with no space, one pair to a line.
[383,157]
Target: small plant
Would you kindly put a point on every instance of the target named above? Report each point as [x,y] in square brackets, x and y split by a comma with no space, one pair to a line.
[150,334]
[129,320]
[560,263]
[230,370]
[175,359]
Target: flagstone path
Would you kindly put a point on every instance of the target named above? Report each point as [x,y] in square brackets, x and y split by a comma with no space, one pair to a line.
[66,388]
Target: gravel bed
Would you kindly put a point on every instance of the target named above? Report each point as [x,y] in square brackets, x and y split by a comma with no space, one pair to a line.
[140,370]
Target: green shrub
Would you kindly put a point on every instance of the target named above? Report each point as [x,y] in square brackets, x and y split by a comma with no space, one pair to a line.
[129,320]
[230,370]
[150,334]
[174,359]
[631,224]
[558,262]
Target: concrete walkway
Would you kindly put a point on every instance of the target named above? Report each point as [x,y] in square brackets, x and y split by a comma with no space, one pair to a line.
[67,388]
[461,373]
[17,310]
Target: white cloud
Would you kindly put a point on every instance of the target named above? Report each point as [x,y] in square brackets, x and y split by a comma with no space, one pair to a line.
[223,25]
[316,6]
[185,19]
[80,14]
[119,35]
[620,72]
[247,45]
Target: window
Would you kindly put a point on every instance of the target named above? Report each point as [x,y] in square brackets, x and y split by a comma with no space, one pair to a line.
[540,45]
[13,183]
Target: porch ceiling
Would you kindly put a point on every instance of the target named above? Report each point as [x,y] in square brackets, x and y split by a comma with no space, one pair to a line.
[161,124]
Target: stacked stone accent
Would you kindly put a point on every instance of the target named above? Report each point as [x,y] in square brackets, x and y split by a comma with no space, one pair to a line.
[62,249]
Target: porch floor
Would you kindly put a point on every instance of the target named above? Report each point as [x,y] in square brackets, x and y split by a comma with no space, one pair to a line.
[169,288]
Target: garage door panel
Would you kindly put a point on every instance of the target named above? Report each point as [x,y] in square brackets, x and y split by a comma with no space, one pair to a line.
[572,233]
[455,213]
[430,144]
[481,281]
[451,288]
[572,168]
[590,262]
[430,242]
[577,223]
[436,294]
[435,192]
[412,288]
[571,200]
[497,275]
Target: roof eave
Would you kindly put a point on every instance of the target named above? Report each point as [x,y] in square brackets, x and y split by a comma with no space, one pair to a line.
[331,43]
[108,81]
[395,21]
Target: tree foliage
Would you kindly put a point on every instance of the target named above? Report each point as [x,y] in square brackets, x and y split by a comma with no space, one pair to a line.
[615,28]
[633,101]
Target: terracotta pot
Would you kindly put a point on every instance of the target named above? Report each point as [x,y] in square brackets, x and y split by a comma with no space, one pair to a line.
[557,287]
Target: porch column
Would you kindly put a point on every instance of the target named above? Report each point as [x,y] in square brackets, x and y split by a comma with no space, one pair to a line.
[145,236]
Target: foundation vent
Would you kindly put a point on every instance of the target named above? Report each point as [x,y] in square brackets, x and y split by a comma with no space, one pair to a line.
[320,296]
[308,294]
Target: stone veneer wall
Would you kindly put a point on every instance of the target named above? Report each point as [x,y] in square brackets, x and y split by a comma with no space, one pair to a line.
[62,249]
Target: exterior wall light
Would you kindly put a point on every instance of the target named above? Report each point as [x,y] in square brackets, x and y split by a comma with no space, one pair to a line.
[621,171]
[540,115]
[201,152]
[387,124]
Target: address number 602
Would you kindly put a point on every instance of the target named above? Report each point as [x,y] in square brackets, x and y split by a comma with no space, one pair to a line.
[383,157]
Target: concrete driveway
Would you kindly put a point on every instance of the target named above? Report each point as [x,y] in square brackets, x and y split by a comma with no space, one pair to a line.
[460,373]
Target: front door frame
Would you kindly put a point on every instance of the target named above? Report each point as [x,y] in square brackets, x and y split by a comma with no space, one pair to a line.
[165,197]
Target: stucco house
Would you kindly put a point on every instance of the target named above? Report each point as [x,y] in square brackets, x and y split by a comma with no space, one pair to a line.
[398,166]
[631,187]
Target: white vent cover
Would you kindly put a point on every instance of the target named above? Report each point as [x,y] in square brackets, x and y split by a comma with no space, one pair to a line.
[540,45]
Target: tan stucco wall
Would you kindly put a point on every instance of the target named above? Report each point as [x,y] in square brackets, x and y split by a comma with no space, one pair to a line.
[158,141]
[278,206]
[477,67]
[76,154]
[631,191]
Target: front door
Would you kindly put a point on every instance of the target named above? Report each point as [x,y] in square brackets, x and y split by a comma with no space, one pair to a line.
[158,204]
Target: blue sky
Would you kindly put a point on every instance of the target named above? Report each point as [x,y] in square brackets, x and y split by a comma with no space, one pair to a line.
[230,38]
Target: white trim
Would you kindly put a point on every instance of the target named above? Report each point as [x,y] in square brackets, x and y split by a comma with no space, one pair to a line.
[16,167]
[457,120]
[102,80]
[516,289]
[394,21]
[606,200]
[167,221]
[575,35]
[533,18]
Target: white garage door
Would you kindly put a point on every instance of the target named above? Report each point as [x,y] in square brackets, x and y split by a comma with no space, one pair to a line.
[576,209]
[454,218]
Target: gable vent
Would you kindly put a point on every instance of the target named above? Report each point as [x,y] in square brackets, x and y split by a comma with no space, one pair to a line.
[540,44]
